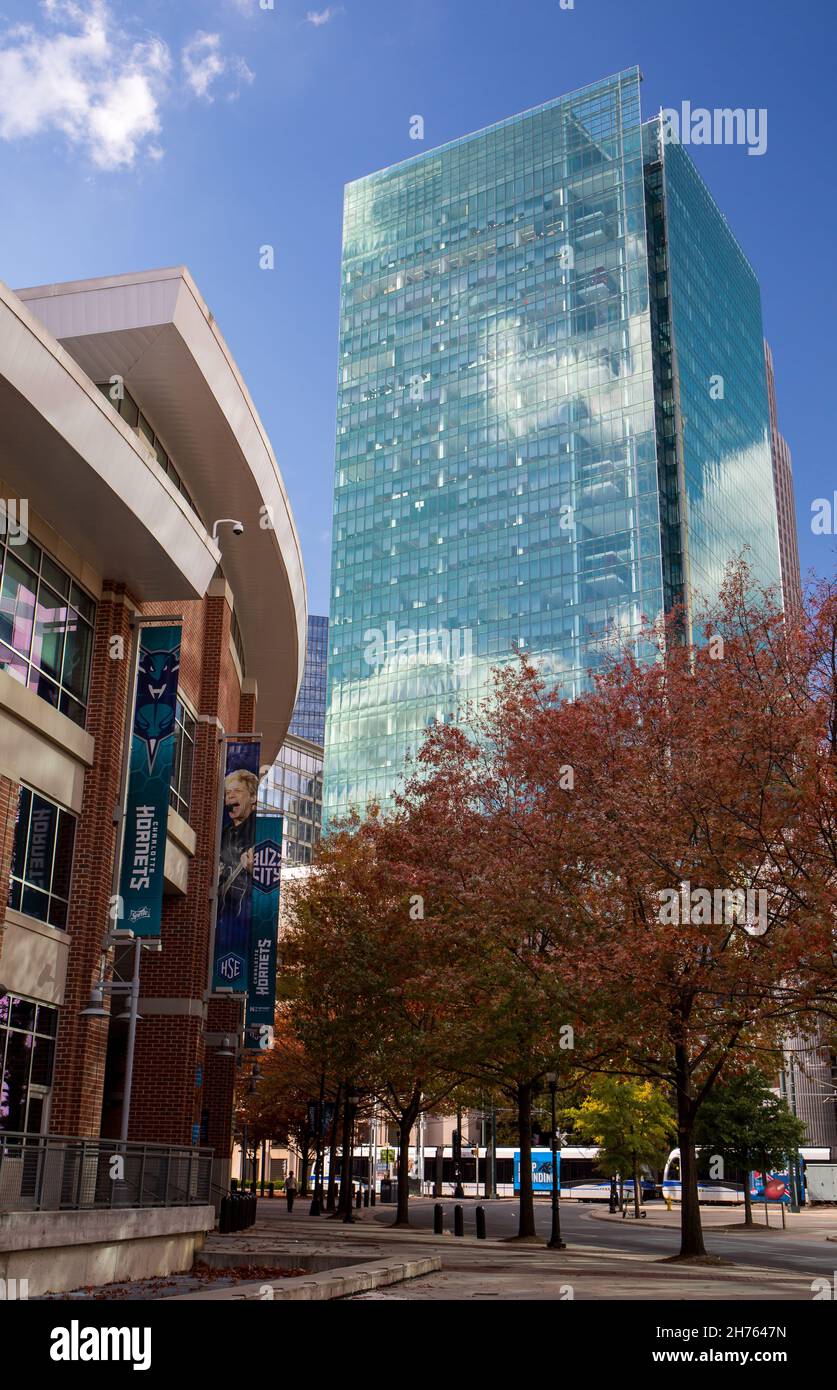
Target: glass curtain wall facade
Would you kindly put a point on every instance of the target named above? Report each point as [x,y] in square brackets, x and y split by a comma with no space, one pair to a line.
[496,471]
[294,786]
[721,411]
[308,720]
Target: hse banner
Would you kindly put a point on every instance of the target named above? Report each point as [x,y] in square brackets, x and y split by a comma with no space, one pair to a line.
[149,781]
[235,870]
[264,925]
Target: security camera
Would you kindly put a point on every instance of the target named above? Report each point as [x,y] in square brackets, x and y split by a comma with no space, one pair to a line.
[237,526]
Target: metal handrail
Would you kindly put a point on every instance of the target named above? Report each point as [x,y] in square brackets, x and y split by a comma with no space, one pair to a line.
[52,1172]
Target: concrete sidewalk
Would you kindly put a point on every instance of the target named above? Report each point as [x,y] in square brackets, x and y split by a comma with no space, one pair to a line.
[808,1224]
[489,1269]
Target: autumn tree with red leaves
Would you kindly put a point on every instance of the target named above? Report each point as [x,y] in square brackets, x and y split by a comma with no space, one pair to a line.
[372,981]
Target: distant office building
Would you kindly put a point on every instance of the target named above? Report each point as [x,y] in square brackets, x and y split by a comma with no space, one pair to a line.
[294,784]
[808,1082]
[785,502]
[552,421]
[309,712]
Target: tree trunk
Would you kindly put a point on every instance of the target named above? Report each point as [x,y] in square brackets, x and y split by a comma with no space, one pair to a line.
[636,1186]
[691,1232]
[332,1152]
[748,1201]
[526,1218]
[406,1120]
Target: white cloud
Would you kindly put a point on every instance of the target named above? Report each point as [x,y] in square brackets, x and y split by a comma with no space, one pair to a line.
[76,72]
[318,17]
[102,98]
[202,63]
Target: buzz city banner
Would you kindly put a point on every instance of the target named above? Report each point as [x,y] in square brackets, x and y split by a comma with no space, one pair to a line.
[149,779]
[264,922]
[236,866]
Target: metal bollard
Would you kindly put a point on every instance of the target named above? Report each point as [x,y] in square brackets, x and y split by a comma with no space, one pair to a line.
[458,1221]
[480,1215]
[438,1220]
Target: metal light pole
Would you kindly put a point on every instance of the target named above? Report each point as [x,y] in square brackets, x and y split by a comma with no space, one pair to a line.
[132,1037]
[352,1100]
[555,1242]
[792,1158]
[317,1199]
[458,1190]
[129,991]
[373,1153]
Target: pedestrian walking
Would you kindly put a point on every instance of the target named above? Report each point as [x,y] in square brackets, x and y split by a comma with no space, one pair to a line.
[290,1190]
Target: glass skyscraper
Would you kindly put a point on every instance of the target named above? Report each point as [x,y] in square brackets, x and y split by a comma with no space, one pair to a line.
[532,450]
[308,719]
[294,784]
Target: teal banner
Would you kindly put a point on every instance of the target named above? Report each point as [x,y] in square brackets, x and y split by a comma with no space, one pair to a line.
[149,781]
[264,926]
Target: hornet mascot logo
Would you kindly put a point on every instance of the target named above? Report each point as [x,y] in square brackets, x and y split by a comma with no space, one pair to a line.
[156,698]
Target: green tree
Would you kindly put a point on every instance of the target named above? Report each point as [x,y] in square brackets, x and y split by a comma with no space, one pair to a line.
[742,1121]
[631,1121]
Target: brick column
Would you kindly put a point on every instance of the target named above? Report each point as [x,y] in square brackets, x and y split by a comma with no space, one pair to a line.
[82,1042]
[171,1053]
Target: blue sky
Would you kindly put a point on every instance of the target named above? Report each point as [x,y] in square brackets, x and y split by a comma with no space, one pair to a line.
[141,133]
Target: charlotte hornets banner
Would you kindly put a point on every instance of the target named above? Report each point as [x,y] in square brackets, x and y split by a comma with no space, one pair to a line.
[149,780]
[261,984]
[235,871]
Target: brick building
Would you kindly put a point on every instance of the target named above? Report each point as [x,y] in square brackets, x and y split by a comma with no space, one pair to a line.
[128,433]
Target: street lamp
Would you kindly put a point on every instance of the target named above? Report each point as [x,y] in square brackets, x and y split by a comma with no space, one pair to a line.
[352,1101]
[458,1190]
[317,1199]
[555,1242]
[129,989]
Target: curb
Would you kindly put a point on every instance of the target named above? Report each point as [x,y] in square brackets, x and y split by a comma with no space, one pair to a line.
[331,1284]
